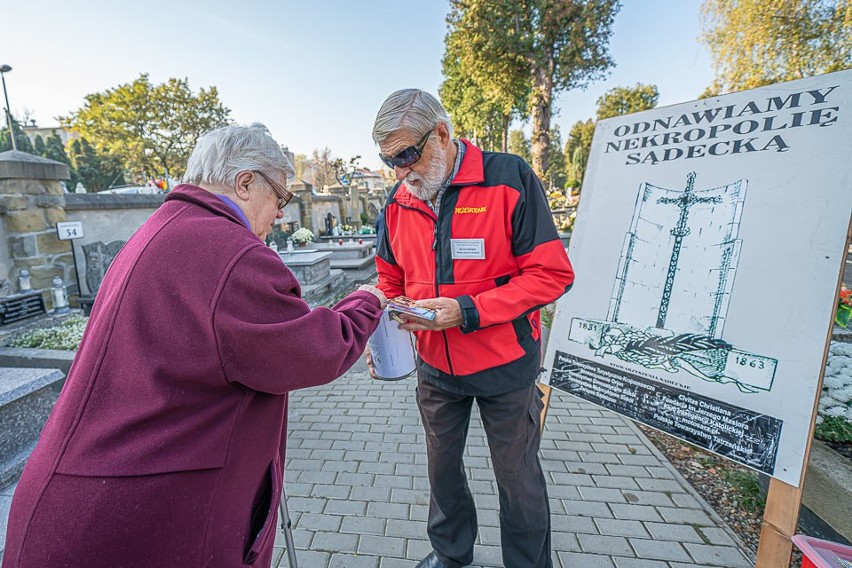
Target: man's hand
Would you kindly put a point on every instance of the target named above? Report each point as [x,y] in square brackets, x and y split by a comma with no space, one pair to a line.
[368,357]
[447,314]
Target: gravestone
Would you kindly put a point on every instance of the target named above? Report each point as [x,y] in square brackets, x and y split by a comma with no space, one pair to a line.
[319,282]
[26,398]
[358,261]
[98,256]
[18,307]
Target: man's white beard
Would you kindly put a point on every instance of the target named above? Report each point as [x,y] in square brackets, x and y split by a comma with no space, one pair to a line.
[430,182]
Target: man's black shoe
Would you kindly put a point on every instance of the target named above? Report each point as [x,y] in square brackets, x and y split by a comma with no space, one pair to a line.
[432,561]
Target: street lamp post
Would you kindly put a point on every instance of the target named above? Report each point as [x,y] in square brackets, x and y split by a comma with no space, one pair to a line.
[3,70]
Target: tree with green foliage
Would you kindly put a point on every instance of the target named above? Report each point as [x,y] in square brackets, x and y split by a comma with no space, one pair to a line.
[754,44]
[567,46]
[54,149]
[38,145]
[519,144]
[97,169]
[548,46]
[21,139]
[627,100]
[153,128]
[579,159]
[482,95]
[577,149]
[556,175]
[617,101]
[472,115]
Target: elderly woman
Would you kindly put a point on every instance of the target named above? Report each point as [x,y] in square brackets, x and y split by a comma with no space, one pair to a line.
[166,447]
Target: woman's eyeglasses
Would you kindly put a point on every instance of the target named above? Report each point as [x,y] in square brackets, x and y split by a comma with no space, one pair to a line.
[281,192]
[409,156]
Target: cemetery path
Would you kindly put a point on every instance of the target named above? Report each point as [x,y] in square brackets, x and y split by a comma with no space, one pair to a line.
[358,495]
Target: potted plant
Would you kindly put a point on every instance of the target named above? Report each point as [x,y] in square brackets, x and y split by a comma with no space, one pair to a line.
[302,236]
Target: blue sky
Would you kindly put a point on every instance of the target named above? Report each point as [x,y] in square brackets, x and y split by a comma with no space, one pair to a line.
[314,72]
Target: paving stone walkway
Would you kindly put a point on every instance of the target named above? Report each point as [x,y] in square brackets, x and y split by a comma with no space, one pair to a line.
[358,495]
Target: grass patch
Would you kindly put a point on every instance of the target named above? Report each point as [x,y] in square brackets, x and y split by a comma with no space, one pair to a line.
[748,488]
[65,336]
[834,429]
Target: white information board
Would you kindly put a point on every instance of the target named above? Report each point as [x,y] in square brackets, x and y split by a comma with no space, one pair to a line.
[707,249]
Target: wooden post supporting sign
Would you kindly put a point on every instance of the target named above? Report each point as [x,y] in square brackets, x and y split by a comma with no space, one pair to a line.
[546,399]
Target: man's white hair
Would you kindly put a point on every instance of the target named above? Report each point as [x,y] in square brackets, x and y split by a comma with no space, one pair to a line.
[221,154]
[409,109]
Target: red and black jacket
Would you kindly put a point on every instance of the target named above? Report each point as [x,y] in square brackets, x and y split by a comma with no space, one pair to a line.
[497,198]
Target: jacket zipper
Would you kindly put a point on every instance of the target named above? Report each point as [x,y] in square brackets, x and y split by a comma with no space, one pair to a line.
[437,273]
[436,250]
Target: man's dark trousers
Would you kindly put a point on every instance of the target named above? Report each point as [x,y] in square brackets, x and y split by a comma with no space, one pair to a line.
[512,424]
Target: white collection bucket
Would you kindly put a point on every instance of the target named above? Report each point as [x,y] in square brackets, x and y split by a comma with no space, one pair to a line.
[392,350]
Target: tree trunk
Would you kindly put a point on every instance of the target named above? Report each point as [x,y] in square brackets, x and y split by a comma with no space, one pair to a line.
[541,101]
[505,134]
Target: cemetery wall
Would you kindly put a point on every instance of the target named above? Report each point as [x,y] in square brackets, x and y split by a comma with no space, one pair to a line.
[108,222]
[8,280]
[32,201]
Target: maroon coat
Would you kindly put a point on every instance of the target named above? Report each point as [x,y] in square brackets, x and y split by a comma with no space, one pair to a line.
[166,445]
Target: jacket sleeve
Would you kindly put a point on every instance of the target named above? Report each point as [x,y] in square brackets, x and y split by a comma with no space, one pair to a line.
[545,272]
[271,341]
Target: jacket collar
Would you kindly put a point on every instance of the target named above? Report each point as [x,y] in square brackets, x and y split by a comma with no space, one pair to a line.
[471,172]
[199,196]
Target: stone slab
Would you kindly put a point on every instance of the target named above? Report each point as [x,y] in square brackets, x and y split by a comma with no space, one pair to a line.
[15,164]
[36,358]
[310,267]
[828,488]
[17,383]
[354,263]
[26,398]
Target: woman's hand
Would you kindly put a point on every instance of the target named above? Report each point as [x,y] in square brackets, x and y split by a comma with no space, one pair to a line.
[375,292]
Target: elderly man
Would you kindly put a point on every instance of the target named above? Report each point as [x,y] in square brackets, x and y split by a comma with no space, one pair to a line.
[166,447]
[469,233]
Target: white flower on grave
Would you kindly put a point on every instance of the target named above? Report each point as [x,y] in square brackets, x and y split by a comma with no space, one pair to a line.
[836,396]
[835,411]
[302,235]
[843,394]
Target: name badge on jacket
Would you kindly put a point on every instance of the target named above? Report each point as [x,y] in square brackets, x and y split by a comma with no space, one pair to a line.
[473,249]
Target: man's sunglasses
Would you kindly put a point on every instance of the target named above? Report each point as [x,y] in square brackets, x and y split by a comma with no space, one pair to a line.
[281,192]
[409,156]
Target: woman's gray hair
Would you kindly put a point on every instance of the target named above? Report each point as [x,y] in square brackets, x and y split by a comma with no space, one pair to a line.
[221,154]
[409,109]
